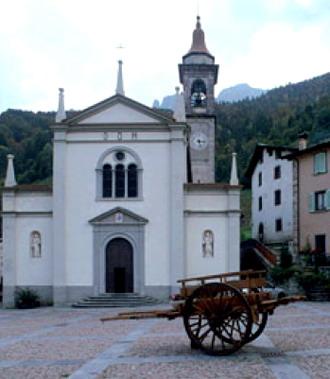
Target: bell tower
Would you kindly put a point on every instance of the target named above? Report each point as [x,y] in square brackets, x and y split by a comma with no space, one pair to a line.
[198,75]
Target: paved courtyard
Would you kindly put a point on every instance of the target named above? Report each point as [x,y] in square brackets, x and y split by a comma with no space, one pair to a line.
[70,343]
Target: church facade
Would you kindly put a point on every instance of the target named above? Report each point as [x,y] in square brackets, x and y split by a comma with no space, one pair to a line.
[133,206]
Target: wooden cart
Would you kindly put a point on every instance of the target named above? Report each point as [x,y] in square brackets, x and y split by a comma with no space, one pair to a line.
[221,312]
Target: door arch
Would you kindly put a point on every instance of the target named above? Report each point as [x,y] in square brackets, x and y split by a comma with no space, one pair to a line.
[119,266]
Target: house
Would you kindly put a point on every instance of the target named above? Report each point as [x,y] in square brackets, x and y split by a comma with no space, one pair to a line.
[271,178]
[133,206]
[311,190]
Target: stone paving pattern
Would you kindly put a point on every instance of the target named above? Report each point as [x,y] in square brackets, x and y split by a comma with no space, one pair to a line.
[73,343]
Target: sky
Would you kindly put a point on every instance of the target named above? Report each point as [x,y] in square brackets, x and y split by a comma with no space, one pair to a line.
[47,44]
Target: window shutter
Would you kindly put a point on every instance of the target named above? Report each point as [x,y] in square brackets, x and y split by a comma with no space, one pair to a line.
[311,202]
[324,162]
[327,199]
[320,163]
[316,164]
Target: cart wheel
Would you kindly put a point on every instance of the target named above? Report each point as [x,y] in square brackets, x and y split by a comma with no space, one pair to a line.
[258,326]
[217,318]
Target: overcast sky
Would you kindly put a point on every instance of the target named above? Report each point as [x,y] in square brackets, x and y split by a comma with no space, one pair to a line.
[46,44]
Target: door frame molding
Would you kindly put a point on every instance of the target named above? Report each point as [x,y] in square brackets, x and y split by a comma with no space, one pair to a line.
[105,228]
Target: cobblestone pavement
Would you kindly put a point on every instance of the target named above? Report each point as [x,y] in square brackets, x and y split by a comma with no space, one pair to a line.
[73,343]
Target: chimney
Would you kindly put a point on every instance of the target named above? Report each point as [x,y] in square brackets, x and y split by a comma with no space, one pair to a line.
[302,140]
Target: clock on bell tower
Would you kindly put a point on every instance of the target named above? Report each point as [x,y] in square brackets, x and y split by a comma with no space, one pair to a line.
[199,74]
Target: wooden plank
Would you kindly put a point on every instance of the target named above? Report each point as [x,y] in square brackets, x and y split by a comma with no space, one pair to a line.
[239,284]
[247,283]
[248,273]
[168,313]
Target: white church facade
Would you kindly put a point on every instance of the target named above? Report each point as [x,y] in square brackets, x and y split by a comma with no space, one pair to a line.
[133,206]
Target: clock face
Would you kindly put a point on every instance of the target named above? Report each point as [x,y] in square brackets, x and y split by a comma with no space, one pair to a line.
[199,141]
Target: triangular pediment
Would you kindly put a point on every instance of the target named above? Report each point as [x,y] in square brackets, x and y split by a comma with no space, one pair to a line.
[119,110]
[118,216]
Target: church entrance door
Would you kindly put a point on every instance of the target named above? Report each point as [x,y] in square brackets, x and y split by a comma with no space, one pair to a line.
[119,266]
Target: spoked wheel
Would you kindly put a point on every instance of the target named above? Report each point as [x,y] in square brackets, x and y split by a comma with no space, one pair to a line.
[258,326]
[217,318]
[258,323]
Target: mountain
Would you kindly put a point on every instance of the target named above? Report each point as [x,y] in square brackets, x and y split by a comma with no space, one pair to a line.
[239,92]
[231,94]
[168,102]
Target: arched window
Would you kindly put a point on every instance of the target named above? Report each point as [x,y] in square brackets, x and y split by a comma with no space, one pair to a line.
[132,180]
[120,181]
[198,94]
[107,180]
[119,175]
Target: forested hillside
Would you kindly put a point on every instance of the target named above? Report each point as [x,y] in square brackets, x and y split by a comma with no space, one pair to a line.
[26,135]
[276,117]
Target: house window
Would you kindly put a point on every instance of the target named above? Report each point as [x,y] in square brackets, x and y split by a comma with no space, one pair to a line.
[118,175]
[260,179]
[277,197]
[277,172]
[278,225]
[277,154]
[261,232]
[260,203]
[320,201]
[320,163]
[107,180]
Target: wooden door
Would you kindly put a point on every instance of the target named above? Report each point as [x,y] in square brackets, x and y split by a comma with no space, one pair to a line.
[119,266]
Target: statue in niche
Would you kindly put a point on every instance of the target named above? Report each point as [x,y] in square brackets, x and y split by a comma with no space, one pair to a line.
[208,244]
[35,244]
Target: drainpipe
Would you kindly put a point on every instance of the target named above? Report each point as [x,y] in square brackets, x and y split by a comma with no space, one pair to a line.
[298,206]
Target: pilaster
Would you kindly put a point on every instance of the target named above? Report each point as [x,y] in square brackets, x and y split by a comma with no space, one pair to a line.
[59,222]
[9,249]
[233,230]
[177,179]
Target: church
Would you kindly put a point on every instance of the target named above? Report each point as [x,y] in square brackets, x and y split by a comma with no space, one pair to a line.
[134,205]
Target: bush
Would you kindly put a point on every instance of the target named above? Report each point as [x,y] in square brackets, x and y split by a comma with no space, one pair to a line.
[308,280]
[26,298]
[286,259]
[280,275]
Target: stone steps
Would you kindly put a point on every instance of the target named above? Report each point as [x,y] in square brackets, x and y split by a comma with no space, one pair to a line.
[116,300]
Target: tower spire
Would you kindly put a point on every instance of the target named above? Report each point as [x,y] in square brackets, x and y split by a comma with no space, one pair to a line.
[60,115]
[10,180]
[120,84]
[198,43]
